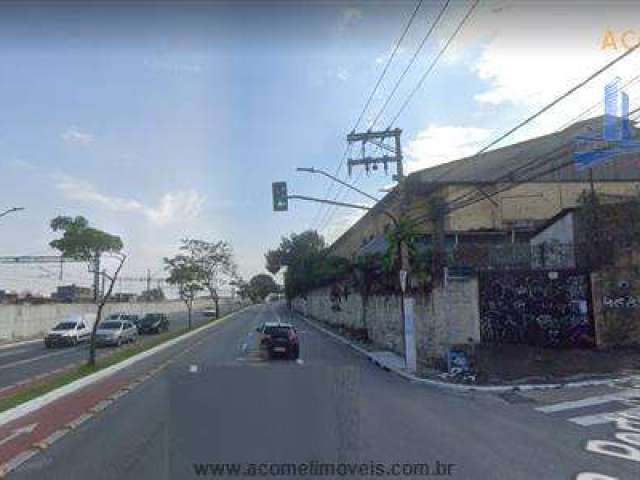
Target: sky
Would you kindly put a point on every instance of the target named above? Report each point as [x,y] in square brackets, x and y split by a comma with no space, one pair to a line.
[164,120]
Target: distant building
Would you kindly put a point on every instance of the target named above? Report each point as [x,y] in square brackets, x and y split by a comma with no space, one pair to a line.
[72,294]
[123,297]
[153,295]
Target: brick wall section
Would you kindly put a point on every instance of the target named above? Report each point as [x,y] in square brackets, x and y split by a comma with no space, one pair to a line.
[450,315]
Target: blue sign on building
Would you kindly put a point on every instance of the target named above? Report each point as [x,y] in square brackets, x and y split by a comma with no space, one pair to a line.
[616,138]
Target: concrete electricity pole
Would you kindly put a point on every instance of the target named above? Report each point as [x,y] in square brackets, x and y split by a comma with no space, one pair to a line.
[371,163]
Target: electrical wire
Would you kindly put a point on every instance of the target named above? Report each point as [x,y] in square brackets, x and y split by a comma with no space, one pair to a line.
[434,62]
[322,209]
[410,64]
[545,108]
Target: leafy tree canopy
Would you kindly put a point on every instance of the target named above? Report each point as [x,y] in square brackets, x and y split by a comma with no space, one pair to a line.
[262,285]
[80,241]
[294,248]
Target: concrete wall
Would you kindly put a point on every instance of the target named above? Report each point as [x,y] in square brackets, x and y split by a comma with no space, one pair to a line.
[28,321]
[616,306]
[448,316]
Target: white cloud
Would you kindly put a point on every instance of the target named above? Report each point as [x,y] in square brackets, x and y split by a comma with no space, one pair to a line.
[74,136]
[343,74]
[439,144]
[173,207]
[185,204]
[524,66]
[349,17]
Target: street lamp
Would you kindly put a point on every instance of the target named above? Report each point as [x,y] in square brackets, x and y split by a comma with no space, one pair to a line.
[335,179]
[11,210]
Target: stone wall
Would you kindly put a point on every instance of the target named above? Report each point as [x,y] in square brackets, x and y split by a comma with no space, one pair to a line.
[616,306]
[448,316]
[28,321]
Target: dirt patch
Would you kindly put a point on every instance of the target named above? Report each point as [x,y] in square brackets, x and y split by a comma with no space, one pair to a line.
[525,363]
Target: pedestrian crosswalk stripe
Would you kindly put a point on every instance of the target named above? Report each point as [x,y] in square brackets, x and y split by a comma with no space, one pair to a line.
[591,401]
[600,418]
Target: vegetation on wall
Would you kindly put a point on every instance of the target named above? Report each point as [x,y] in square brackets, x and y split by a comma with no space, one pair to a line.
[310,265]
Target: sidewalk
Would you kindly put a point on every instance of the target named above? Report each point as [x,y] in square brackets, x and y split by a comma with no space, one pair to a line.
[392,362]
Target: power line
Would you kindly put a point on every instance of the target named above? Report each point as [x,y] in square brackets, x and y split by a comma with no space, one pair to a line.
[332,210]
[366,106]
[545,108]
[434,62]
[537,162]
[386,67]
[524,180]
[410,64]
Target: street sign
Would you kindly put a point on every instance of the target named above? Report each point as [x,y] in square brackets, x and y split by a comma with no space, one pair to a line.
[403,280]
[280,198]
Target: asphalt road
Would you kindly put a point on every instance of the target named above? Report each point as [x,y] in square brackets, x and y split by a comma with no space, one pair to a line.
[223,402]
[25,361]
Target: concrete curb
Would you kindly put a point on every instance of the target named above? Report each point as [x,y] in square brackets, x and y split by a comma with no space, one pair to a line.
[456,386]
[39,402]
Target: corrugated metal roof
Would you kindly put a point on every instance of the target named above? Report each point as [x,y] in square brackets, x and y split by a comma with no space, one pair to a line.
[550,157]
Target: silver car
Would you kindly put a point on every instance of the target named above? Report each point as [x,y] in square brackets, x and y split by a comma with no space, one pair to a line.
[116,332]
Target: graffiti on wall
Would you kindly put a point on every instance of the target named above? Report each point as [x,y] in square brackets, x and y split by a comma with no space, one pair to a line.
[535,307]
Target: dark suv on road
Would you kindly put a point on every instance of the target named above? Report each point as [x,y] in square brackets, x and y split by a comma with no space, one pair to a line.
[279,339]
[153,323]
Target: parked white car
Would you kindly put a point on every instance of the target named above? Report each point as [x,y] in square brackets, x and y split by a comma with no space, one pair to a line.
[70,331]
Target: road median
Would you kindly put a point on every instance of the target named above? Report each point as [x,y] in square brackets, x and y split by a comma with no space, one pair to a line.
[41,394]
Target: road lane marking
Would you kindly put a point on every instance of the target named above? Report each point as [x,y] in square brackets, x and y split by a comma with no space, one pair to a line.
[594,476]
[590,401]
[600,418]
[15,352]
[35,359]
[19,431]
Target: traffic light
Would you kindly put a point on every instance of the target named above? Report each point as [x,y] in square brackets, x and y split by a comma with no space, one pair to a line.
[280,199]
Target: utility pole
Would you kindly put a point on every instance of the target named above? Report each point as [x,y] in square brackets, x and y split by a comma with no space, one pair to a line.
[381,140]
[148,280]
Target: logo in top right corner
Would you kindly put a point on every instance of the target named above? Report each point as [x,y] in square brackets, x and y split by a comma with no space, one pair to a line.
[616,137]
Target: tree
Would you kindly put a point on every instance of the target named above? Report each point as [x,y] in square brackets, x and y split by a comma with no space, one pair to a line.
[215,261]
[187,275]
[260,286]
[82,242]
[294,249]
[153,295]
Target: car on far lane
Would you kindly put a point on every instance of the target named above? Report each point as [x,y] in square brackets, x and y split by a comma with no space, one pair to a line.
[116,332]
[279,339]
[71,331]
[124,317]
[209,312]
[153,323]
